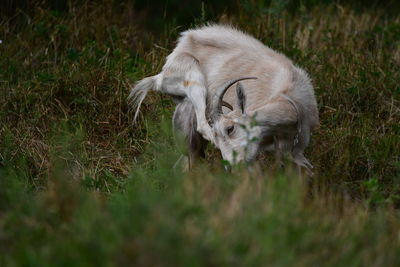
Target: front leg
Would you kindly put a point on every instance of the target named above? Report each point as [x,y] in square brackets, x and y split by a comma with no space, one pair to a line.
[278,152]
[302,162]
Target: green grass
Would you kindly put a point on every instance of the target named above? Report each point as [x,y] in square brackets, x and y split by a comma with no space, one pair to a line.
[81,185]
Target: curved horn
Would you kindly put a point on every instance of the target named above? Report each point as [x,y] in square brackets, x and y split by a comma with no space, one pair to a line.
[216,101]
[226,104]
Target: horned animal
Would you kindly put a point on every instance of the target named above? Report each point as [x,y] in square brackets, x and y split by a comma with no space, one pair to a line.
[272,109]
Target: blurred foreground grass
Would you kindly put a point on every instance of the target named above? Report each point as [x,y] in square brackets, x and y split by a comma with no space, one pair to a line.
[163,217]
[79,184]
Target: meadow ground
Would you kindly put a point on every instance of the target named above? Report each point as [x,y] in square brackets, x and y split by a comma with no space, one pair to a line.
[81,185]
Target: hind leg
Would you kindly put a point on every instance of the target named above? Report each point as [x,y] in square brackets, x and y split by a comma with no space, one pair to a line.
[185,124]
[183,77]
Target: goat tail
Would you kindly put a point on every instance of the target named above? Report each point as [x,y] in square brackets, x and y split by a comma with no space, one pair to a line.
[139,92]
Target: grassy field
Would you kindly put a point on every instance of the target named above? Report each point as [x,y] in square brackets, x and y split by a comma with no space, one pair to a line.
[81,185]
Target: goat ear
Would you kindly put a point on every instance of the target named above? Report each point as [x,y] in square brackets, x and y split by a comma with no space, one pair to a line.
[241,96]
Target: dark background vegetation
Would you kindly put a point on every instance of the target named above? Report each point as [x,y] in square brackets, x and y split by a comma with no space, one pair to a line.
[80,184]
[155,14]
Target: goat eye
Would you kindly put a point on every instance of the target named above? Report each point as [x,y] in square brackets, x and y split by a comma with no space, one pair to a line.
[229,130]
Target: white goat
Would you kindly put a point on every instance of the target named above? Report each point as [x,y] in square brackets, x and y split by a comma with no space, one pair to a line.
[273,108]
